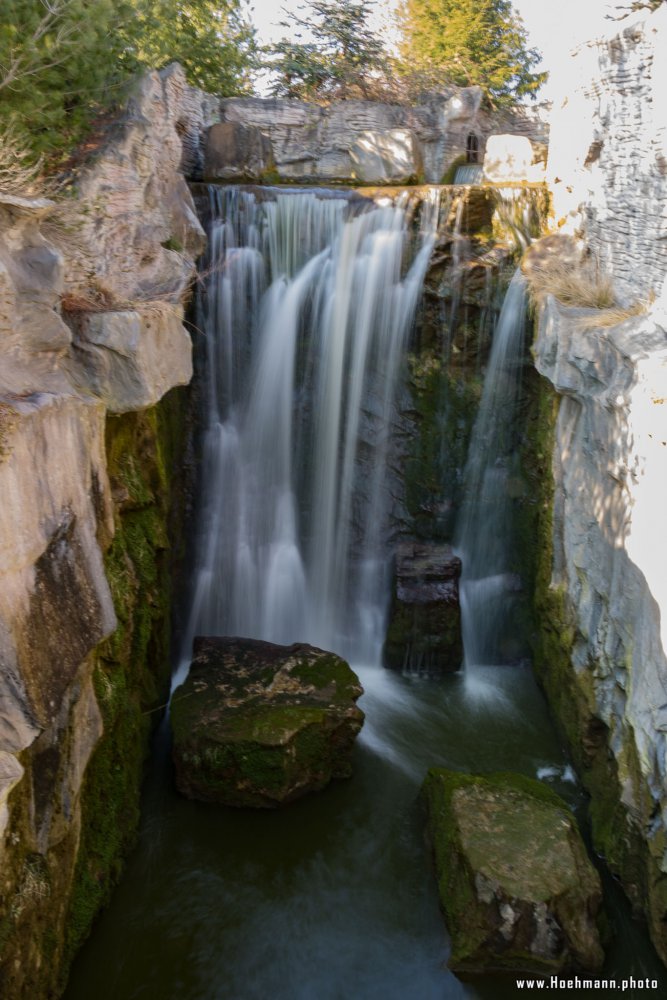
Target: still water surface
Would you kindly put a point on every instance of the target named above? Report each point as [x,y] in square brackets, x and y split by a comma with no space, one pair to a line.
[332,898]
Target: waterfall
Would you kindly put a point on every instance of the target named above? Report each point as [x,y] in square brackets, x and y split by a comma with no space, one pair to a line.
[469,173]
[307,306]
[484,535]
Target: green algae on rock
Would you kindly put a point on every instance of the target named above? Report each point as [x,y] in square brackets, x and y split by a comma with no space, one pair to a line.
[516,885]
[257,724]
[424,629]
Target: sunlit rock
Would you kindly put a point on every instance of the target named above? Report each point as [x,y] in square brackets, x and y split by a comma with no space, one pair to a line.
[256,724]
[607,582]
[132,358]
[607,165]
[515,883]
[390,157]
[510,159]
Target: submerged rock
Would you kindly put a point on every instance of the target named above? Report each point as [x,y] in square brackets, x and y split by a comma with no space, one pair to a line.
[424,630]
[257,724]
[516,885]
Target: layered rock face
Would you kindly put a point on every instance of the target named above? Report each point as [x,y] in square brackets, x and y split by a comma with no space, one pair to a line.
[602,595]
[91,310]
[257,724]
[607,165]
[352,141]
[509,906]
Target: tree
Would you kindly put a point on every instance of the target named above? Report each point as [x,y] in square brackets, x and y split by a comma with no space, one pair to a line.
[345,58]
[212,39]
[470,42]
[62,61]
[57,57]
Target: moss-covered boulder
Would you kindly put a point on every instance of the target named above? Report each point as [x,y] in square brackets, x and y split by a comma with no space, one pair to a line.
[256,724]
[515,883]
[424,631]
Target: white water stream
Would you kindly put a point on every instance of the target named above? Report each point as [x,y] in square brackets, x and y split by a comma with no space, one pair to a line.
[484,535]
[308,307]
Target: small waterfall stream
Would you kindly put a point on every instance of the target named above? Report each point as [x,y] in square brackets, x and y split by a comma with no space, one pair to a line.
[484,535]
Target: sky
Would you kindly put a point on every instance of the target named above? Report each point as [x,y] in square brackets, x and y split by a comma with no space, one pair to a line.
[554,26]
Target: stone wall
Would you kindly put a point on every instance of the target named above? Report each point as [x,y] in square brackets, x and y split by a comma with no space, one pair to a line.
[608,152]
[91,327]
[353,142]
[602,590]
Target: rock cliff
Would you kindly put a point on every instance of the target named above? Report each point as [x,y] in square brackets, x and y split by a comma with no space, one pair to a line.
[607,164]
[91,326]
[602,594]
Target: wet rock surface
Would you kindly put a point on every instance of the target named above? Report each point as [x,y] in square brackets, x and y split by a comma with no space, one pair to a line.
[257,724]
[515,883]
[425,622]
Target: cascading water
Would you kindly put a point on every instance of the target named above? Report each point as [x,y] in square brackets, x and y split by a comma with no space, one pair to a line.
[484,536]
[308,303]
[305,319]
[469,173]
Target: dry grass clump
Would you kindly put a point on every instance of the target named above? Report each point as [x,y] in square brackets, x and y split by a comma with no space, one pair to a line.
[558,266]
[574,283]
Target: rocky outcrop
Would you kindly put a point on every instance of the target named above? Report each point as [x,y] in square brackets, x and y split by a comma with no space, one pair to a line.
[424,630]
[362,141]
[608,152]
[602,595]
[256,724]
[236,152]
[91,310]
[511,159]
[509,906]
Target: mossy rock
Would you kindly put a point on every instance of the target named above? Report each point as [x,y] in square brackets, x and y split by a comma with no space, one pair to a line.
[424,631]
[257,724]
[516,885]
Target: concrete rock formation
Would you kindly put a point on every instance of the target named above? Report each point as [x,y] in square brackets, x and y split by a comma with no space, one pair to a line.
[424,630]
[256,724]
[603,661]
[509,906]
[607,166]
[91,311]
[362,141]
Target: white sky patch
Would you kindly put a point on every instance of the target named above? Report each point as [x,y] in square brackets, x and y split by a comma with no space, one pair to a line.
[554,27]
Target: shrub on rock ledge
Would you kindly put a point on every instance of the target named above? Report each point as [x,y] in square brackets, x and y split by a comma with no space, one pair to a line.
[517,888]
[257,724]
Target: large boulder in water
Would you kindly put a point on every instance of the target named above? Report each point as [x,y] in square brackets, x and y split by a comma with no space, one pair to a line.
[256,724]
[516,885]
[424,631]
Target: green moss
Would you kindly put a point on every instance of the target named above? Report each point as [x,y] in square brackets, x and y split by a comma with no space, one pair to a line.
[488,825]
[132,671]
[450,172]
[617,836]
[444,404]
[330,671]
[173,244]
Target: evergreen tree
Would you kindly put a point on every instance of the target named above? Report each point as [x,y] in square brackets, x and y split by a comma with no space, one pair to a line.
[62,61]
[470,42]
[345,58]
[212,39]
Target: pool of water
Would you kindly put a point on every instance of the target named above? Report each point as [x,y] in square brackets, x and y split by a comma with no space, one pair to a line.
[333,897]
